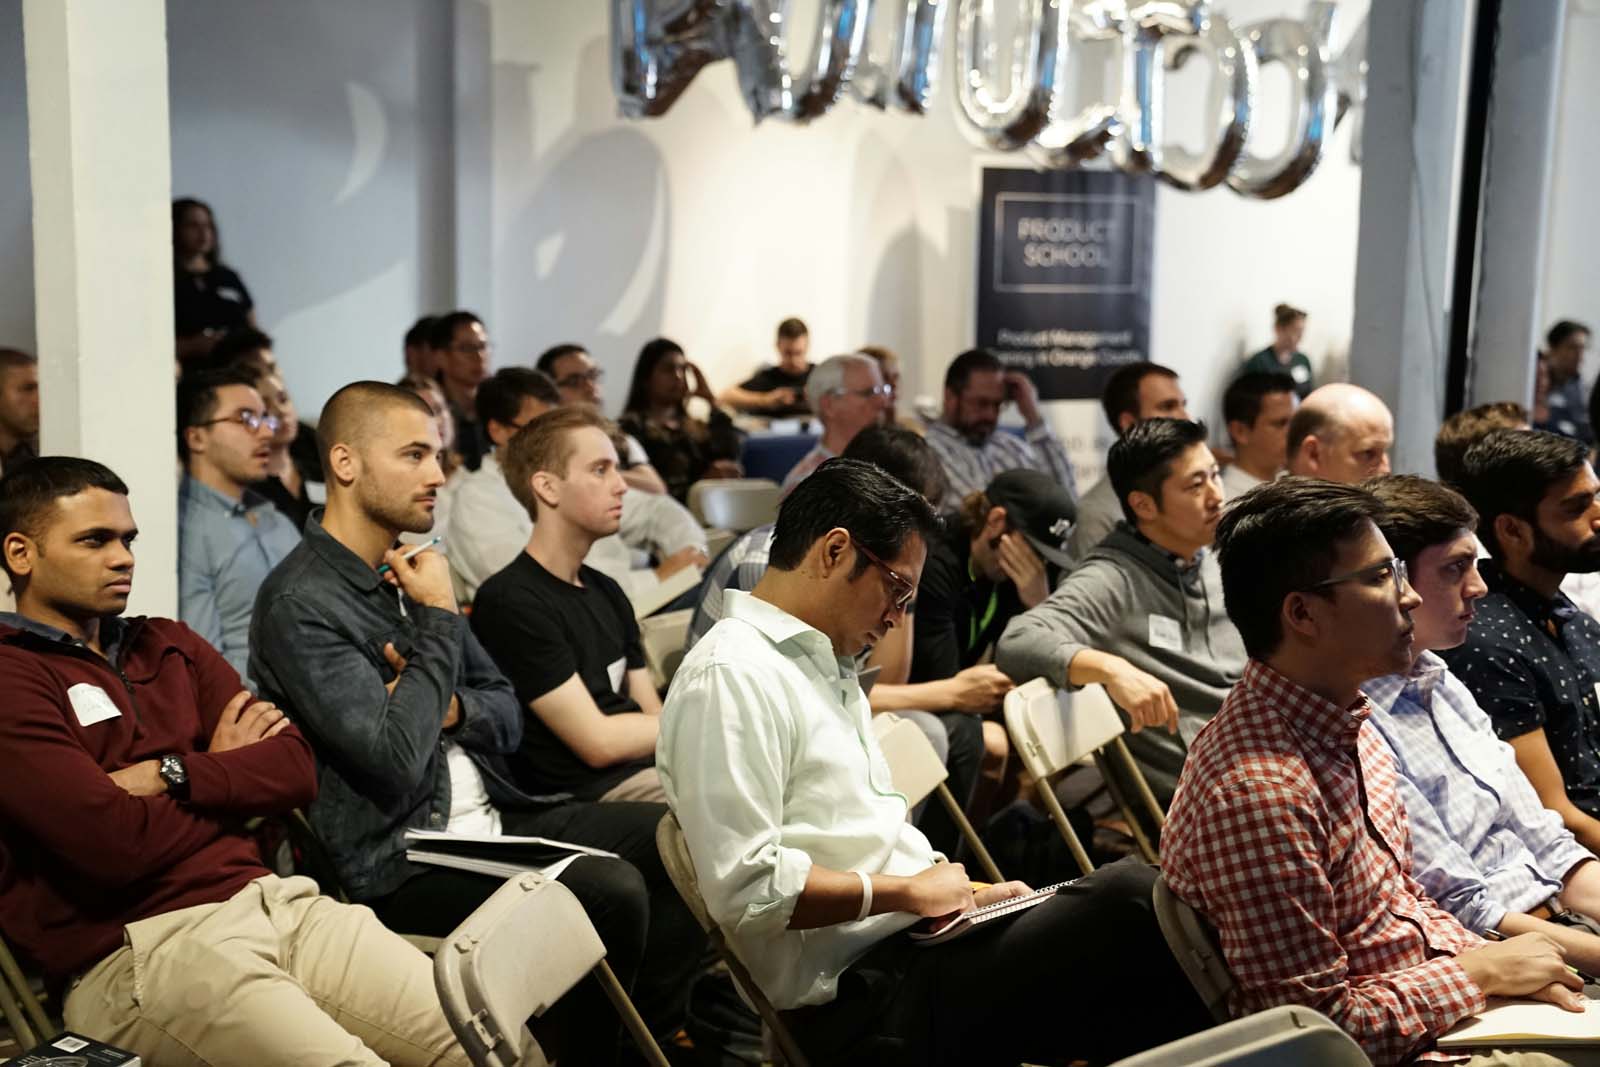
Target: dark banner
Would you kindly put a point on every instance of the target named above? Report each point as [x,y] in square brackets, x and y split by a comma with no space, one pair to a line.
[1064,262]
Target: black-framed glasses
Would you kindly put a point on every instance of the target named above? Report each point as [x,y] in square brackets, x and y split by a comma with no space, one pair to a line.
[577,379]
[904,589]
[1395,566]
[249,419]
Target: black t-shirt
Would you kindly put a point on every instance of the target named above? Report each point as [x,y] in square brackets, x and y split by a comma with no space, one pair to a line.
[958,616]
[215,300]
[541,631]
[774,377]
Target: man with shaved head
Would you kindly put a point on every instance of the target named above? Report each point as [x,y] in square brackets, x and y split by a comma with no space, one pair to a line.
[1342,433]
[367,651]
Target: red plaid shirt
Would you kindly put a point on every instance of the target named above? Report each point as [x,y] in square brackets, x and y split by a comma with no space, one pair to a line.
[1287,834]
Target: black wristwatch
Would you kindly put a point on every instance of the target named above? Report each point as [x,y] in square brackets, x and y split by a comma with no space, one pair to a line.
[173,772]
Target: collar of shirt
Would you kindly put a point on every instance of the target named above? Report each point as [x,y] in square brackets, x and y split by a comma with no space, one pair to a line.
[1316,720]
[113,628]
[1549,615]
[780,627]
[1418,685]
[345,563]
[1183,566]
[194,491]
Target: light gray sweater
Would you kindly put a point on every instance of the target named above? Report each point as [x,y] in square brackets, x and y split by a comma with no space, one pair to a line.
[1098,515]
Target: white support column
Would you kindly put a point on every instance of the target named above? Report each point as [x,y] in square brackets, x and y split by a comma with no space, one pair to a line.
[102,232]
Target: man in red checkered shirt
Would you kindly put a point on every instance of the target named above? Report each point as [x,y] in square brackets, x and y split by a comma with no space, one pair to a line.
[1285,831]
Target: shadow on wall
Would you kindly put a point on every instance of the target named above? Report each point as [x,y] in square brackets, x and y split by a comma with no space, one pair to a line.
[584,258]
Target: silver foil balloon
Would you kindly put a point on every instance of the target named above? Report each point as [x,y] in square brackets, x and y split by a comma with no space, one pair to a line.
[1349,73]
[1303,48]
[1145,30]
[838,46]
[1229,99]
[1009,122]
[1069,141]
[903,79]
[658,46]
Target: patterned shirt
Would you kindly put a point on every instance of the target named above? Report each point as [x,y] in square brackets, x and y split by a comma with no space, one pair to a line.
[1481,842]
[1533,664]
[739,566]
[971,467]
[1287,834]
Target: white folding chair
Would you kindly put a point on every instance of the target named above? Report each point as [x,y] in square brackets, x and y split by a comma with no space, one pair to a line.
[1052,731]
[736,504]
[917,772]
[680,868]
[516,955]
[1287,1034]
[663,637]
[1194,946]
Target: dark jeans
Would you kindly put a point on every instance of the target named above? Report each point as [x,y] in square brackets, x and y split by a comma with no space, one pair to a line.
[963,763]
[1086,975]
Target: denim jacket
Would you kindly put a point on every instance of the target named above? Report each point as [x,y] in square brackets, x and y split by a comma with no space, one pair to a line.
[316,650]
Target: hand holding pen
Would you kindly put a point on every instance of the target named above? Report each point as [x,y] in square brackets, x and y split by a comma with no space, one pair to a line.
[422,574]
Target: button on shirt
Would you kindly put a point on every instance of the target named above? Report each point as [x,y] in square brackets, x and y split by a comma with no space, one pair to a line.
[1532,664]
[226,549]
[1481,842]
[1286,832]
[769,761]
[971,467]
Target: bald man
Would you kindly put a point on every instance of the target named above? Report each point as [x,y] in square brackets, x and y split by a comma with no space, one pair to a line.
[1342,433]
[410,719]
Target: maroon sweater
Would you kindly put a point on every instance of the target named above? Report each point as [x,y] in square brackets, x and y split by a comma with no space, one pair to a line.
[79,857]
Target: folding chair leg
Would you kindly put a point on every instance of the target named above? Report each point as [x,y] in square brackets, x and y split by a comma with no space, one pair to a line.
[985,860]
[11,974]
[774,1026]
[12,1010]
[1145,792]
[630,1015]
[1052,805]
[1135,827]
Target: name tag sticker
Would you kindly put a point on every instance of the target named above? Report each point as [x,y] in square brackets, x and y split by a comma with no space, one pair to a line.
[91,704]
[616,671]
[1166,632]
[1299,374]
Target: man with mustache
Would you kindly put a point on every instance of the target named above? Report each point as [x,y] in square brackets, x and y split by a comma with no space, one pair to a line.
[1531,658]
[1483,845]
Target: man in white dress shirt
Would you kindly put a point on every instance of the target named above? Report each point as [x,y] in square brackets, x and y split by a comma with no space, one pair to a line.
[806,860]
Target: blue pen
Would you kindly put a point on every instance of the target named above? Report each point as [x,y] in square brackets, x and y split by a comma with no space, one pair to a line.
[420,548]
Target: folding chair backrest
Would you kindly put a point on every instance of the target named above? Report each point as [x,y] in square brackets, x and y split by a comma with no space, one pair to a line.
[913,763]
[1194,944]
[737,504]
[1288,1034]
[1052,731]
[512,958]
[663,637]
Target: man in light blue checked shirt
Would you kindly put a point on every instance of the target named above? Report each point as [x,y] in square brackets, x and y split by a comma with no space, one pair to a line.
[1483,845]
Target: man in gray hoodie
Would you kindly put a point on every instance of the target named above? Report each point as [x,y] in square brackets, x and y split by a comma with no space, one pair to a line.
[1142,614]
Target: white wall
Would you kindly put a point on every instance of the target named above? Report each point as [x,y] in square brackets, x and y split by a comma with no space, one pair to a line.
[1573,242]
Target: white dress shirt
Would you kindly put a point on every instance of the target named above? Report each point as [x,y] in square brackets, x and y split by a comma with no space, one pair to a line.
[1236,481]
[768,759]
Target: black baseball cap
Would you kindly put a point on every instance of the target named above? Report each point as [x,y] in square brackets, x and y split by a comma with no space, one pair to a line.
[1040,508]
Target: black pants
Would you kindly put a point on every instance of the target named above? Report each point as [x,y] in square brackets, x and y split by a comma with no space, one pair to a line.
[1085,975]
[964,762]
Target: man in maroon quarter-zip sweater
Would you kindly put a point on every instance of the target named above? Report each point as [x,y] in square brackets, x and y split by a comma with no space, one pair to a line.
[132,759]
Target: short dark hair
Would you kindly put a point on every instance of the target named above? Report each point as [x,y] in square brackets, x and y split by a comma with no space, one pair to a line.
[1466,428]
[791,328]
[878,509]
[238,342]
[1309,419]
[1121,394]
[197,398]
[547,358]
[442,330]
[1509,471]
[13,358]
[905,455]
[1419,513]
[972,361]
[1562,330]
[418,334]
[500,395]
[356,411]
[30,489]
[545,444]
[1141,459]
[1241,402]
[1286,314]
[1282,537]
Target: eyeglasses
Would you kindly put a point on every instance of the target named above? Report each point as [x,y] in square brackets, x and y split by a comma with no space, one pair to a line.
[1396,567]
[904,590]
[594,375]
[250,420]
[885,391]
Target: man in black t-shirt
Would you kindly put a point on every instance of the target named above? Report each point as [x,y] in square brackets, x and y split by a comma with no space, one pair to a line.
[778,391]
[564,633]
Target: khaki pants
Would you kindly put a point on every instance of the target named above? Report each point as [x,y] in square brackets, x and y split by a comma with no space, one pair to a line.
[278,975]
[1576,1057]
[642,785]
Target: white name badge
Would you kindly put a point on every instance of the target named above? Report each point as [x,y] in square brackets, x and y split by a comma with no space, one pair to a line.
[91,704]
[1166,633]
[1299,373]
[616,671]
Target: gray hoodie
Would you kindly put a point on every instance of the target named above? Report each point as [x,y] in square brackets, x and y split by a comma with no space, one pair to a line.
[1131,599]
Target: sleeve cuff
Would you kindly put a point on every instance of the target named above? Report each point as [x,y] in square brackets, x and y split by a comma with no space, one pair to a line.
[770,917]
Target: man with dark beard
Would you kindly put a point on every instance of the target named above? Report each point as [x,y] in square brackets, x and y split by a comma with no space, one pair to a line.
[1532,659]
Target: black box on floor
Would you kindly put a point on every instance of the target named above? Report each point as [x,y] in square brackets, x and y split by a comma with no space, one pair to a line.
[69,1046]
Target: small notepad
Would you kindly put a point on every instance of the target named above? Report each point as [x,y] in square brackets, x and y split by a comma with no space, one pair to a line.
[969,921]
[1527,1022]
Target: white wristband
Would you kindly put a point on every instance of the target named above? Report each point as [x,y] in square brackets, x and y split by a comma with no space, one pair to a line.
[866,895]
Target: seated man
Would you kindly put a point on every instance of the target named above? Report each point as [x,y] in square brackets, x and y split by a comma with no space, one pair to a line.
[1531,658]
[1287,833]
[19,407]
[965,438]
[411,722]
[133,758]
[578,378]
[1142,613]
[1483,845]
[848,395]
[1133,394]
[1257,409]
[802,848]
[563,632]
[1342,433]
[229,536]
[1461,431]
[777,391]
[489,528]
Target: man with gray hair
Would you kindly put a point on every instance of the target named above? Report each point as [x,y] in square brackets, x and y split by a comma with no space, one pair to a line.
[848,395]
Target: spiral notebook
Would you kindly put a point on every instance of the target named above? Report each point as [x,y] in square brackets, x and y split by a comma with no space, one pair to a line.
[969,921]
